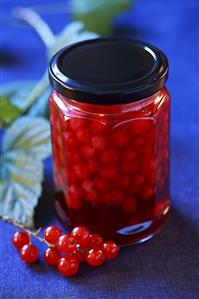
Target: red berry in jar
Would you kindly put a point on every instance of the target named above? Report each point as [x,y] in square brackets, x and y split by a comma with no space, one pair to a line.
[129,155]
[71,177]
[121,137]
[76,190]
[77,123]
[87,185]
[52,234]
[130,204]
[109,172]
[98,127]
[81,171]
[83,135]
[129,167]
[101,184]
[69,140]
[137,182]
[91,196]
[20,239]
[29,253]
[109,156]
[87,151]
[124,181]
[114,198]
[93,166]
[73,202]
[68,266]
[140,126]
[98,142]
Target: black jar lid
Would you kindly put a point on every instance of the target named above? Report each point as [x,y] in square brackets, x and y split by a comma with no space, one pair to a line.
[108,71]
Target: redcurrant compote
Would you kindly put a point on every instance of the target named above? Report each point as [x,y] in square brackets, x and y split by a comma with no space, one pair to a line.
[111,150]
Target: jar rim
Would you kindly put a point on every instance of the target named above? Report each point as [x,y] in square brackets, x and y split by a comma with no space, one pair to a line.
[108,71]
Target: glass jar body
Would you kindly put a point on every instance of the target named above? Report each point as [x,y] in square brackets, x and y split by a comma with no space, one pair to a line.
[111,165]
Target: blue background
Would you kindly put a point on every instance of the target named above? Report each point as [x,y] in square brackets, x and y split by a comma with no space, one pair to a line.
[168,265]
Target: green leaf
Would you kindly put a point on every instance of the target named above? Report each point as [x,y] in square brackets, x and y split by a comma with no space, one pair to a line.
[21,188]
[25,143]
[15,100]
[32,135]
[8,111]
[40,106]
[98,15]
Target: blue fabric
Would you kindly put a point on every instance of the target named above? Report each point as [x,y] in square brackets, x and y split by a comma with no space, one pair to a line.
[168,265]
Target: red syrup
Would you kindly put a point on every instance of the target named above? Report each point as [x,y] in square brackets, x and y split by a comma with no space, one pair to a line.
[111,166]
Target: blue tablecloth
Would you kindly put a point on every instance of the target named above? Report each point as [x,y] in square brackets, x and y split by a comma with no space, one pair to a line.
[168,265]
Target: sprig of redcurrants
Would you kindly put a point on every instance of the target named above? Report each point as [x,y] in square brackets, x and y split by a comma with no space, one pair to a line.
[66,251]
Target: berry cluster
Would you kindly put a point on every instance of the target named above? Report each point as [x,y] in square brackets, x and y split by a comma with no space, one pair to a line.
[66,251]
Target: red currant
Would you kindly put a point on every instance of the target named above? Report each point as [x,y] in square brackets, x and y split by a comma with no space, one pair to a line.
[73,202]
[66,243]
[76,123]
[95,241]
[109,156]
[68,266]
[29,253]
[129,167]
[81,171]
[81,235]
[98,142]
[121,137]
[69,140]
[76,190]
[87,185]
[20,239]
[92,166]
[80,253]
[83,135]
[52,234]
[124,181]
[138,180]
[52,256]
[71,177]
[113,198]
[87,151]
[101,184]
[91,197]
[110,172]
[95,257]
[110,250]
[97,127]
[129,155]
[147,193]
[140,126]
[130,205]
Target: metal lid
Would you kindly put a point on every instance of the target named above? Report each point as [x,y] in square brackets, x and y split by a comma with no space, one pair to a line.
[108,71]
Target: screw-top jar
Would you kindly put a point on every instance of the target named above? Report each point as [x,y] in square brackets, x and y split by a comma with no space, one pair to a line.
[109,115]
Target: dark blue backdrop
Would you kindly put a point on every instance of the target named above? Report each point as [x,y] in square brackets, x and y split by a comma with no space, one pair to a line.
[168,265]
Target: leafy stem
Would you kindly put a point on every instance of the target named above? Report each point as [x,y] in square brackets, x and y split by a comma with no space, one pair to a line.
[35,21]
[39,88]
[17,224]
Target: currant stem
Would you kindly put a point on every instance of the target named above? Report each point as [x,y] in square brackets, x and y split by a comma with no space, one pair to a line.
[29,16]
[30,232]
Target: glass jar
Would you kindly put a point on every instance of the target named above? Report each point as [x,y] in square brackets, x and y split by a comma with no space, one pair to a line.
[109,114]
